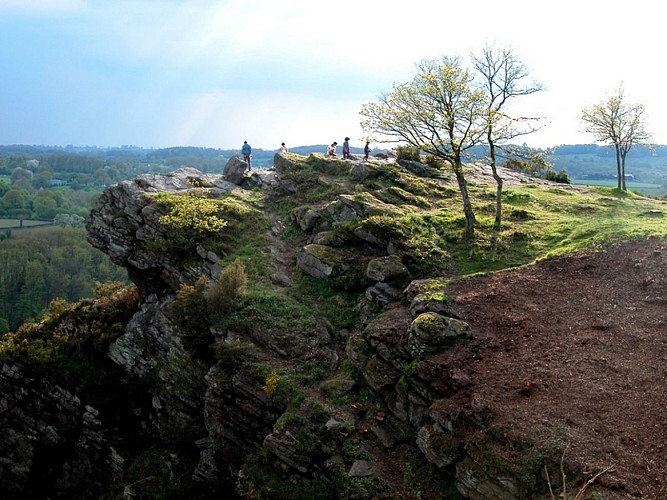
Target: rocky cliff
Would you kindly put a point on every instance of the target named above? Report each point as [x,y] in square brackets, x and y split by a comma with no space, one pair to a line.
[308,378]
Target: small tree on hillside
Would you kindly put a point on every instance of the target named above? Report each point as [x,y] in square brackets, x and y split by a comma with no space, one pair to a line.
[503,77]
[619,123]
[440,112]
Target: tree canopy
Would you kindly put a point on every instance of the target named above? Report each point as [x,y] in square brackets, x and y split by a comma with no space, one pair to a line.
[503,77]
[439,111]
[448,109]
[619,123]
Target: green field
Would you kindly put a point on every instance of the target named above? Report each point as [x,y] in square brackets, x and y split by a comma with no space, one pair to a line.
[645,188]
[16,223]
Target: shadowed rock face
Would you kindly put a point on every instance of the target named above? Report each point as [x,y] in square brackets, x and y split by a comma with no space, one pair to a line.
[49,434]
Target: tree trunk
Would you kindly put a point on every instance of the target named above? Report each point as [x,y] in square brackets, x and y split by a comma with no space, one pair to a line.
[623,154]
[499,198]
[499,182]
[619,171]
[467,205]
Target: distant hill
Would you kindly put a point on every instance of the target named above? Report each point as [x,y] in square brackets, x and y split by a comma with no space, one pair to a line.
[582,162]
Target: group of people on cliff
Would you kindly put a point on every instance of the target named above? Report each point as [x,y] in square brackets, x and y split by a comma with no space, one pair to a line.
[331,150]
[246,150]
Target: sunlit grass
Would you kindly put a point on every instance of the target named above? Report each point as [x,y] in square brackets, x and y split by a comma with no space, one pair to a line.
[561,222]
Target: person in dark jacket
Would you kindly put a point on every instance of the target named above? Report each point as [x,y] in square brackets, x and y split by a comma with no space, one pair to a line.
[246,151]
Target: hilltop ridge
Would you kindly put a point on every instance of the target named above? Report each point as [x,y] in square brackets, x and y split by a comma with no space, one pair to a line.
[372,353]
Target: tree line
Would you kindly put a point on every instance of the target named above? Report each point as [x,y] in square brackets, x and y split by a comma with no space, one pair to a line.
[39,265]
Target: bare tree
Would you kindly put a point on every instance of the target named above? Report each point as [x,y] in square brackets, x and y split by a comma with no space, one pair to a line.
[503,77]
[440,112]
[619,123]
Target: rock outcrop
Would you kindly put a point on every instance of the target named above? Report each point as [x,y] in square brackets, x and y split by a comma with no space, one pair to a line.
[284,411]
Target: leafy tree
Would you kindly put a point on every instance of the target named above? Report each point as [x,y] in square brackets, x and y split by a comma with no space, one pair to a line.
[21,173]
[440,112]
[46,203]
[14,199]
[23,183]
[42,179]
[45,208]
[503,77]
[619,123]
[32,294]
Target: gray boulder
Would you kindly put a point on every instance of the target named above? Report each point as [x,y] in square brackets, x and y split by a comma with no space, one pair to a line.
[387,269]
[235,170]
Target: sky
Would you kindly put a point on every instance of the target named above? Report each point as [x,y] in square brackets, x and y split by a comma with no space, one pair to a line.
[214,73]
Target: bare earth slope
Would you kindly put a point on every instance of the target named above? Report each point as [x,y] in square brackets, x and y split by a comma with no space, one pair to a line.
[577,347]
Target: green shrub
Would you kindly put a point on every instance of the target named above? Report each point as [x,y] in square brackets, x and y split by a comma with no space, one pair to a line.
[287,391]
[197,307]
[234,353]
[223,295]
[263,479]
[190,312]
[561,176]
[435,162]
[407,153]
[358,488]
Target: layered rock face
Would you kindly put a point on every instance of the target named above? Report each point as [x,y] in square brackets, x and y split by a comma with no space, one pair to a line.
[229,413]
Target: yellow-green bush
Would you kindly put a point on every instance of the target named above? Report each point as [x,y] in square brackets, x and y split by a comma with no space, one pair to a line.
[191,211]
[271,384]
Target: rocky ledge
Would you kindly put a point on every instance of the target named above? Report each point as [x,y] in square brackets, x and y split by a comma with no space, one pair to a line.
[327,408]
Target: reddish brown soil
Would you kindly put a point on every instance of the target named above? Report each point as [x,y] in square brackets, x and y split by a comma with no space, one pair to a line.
[576,347]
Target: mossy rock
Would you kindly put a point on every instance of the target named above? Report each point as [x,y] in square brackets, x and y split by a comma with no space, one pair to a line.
[380,376]
[431,332]
[388,269]
[345,270]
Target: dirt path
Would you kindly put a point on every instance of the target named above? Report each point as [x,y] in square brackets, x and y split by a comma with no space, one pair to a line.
[577,346]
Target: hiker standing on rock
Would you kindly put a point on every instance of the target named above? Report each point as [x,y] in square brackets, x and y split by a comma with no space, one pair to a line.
[246,151]
[367,150]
